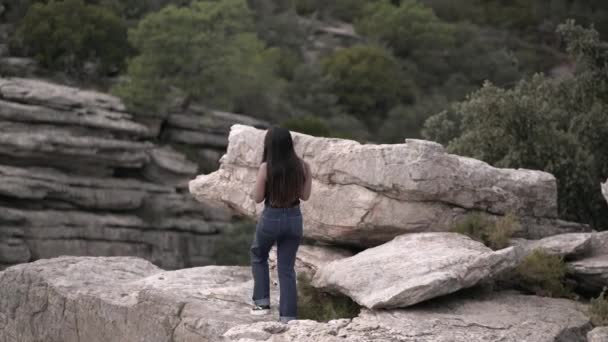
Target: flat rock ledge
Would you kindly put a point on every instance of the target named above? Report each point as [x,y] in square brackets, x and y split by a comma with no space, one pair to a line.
[502,316]
[119,299]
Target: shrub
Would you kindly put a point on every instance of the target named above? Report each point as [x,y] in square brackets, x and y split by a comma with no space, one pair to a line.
[598,309]
[367,80]
[559,126]
[543,274]
[316,305]
[207,51]
[232,247]
[65,35]
[495,235]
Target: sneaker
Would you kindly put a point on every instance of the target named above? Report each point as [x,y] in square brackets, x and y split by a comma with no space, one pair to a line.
[260,310]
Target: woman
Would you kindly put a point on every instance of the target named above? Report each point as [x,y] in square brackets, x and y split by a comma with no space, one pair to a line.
[283,180]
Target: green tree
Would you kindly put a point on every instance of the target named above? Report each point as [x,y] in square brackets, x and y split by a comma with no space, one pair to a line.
[207,51]
[410,29]
[64,35]
[557,126]
[367,80]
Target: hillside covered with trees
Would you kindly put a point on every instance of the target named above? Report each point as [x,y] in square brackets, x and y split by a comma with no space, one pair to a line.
[513,83]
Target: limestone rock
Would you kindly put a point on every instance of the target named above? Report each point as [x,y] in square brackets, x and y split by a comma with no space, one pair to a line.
[55,146]
[310,258]
[415,171]
[172,240]
[121,299]
[598,335]
[565,245]
[386,189]
[38,184]
[413,268]
[591,273]
[38,92]
[503,316]
[98,118]
[212,121]
[195,138]
[167,166]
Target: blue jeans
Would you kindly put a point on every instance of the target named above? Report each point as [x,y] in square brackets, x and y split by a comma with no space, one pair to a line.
[283,226]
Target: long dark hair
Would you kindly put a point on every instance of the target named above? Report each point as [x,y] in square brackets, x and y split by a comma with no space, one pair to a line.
[284,170]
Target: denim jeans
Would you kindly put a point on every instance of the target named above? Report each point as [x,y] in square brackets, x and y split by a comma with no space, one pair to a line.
[283,226]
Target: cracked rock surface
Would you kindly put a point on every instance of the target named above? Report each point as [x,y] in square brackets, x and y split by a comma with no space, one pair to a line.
[120,299]
[502,316]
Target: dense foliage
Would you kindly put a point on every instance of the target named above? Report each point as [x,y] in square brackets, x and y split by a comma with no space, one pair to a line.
[295,62]
[64,35]
[544,124]
[205,52]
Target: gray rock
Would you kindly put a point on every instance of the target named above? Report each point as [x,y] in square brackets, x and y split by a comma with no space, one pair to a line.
[196,138]
[210,121]
[591,273]
[173,239]
[504,316]
[98,118]
[39,92]
[415,171]
[564,245]
[598,335]
[599,243]
[605,190]
[37,184]
[167,166]
[413,268]
[68,147]
[121,299]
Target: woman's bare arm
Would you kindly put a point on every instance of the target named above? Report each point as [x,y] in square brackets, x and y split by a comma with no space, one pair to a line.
[307,182]
[260,184]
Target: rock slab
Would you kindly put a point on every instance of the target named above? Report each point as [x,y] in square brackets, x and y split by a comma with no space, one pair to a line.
[71,299]
[503,316]
[413,268]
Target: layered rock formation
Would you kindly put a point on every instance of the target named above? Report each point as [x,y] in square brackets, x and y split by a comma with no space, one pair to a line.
[81,176]
[128,299]
[591,272]
[365,195]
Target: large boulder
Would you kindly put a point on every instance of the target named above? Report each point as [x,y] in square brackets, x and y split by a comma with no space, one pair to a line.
[503,316]
[413,268]
[121,299]
[365,195]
